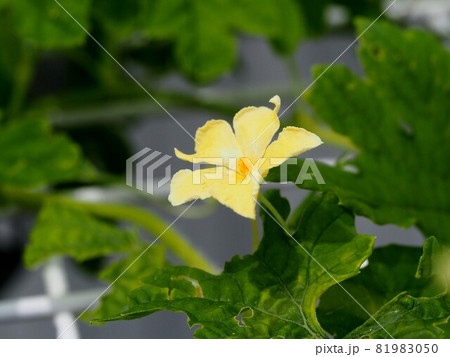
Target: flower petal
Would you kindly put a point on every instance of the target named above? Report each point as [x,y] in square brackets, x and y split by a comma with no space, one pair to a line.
[228,187]
[255,128]
[184,189]
[214,141]
[292,141]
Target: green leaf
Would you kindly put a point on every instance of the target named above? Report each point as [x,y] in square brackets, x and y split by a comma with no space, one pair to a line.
[280,21]
[407,317]
[391,271]
[397,116]
[65,229]
[45,24]
[10,50]
[434,264]
[370,8]
[272,293]
[32,156]
[136,267]
[204,31]
[119,18]
[198,56]
[290,29]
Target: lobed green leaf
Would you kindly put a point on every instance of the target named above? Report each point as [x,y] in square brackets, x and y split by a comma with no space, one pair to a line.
[204,32]
[407,317]
[63,229]
[397,116]
[272,293]
[32,156]
[45,24]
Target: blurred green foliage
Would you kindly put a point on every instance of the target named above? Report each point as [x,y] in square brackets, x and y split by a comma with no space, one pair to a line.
[197,38]
[45,25]
[66,230]
[32,156]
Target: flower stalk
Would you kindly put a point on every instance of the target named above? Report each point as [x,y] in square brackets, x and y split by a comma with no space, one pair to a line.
[272,211]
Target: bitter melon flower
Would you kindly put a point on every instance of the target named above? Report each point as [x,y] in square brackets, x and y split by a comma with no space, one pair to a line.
[240,159]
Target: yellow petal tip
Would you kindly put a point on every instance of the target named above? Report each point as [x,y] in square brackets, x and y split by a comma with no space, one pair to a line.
[276,100]
[182,155]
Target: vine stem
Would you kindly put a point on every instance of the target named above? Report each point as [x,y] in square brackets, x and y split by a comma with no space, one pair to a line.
[273,211]
[172,239]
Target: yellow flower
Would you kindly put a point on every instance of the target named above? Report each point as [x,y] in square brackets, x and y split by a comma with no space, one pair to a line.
[242,158]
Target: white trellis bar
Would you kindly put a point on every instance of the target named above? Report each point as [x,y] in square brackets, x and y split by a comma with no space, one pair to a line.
[40,306]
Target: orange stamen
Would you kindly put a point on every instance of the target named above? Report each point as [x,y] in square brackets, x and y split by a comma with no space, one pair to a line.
[244,166]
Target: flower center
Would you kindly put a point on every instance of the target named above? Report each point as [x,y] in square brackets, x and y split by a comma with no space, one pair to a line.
[244,166]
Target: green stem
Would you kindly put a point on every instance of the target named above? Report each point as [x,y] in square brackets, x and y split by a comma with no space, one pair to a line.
[129,100]
[172,239]
[120,110]
[273,211]
[255,234]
